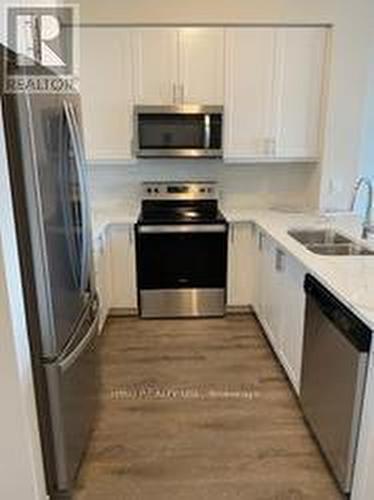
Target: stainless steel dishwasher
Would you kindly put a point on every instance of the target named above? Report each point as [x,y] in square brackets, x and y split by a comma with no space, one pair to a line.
[335,360]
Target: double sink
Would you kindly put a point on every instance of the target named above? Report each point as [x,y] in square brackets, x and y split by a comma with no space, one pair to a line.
[329,242]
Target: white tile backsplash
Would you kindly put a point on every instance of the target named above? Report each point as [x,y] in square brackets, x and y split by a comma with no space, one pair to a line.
[242,186]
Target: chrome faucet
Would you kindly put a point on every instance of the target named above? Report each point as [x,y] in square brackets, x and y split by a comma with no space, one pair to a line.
[367,226]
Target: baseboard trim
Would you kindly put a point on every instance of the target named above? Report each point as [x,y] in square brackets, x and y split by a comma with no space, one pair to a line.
[239,309]
[118,312]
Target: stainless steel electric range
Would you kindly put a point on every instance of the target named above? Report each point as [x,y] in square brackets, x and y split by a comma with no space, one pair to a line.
[181,245]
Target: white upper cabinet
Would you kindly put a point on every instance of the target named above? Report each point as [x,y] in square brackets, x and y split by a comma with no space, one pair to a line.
[270,80]
[249,71]
[107,93]
[156,65]
[201,64]
[299,91]
[178,66]
[274,93]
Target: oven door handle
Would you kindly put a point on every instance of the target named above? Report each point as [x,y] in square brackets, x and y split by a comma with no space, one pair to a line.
[183,228]
[207,131]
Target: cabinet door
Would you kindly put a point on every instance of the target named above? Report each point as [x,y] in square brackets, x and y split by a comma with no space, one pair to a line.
[107,93]
[269,295]
[249,92]
[201,63]
[257,248]
[101,277]
[293,305]
[122,261]
[301,54]
[241,265]
[155,53]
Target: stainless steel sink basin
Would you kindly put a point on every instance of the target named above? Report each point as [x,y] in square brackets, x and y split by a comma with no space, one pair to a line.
[318,237]
[340,249]
[329,242]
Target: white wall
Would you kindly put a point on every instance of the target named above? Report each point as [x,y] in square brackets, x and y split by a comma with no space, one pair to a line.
[353,25]
[367,151]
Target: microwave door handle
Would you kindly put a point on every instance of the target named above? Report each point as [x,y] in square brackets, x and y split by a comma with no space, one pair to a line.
[207,131]
[82,187]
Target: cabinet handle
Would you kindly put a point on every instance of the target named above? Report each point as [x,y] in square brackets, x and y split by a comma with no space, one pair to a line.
[182,94]
[266,147]
[232,234]
[279,258]
[102,245]
[260,241]
[174,93]
[131,239]
[274,147]
[270,146]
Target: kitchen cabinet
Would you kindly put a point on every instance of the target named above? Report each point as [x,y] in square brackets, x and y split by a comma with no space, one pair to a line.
[280,303]
[299,91]
[178,65]
[250,61]
[256,289]
[293,318]
[240,265]
[269,286]
[201,64]
[123,275]
[155,55]
[102,275]
[274,93]
[106,85]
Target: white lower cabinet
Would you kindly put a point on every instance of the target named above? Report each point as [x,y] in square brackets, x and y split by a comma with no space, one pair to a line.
[123,275]
[292,325]
[271,295]
[279,302]
[240,265]
[102,275]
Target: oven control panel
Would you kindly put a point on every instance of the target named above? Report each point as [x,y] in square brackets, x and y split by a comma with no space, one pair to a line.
[180,191]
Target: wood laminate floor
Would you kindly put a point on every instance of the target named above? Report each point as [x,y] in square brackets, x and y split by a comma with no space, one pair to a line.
[198,410]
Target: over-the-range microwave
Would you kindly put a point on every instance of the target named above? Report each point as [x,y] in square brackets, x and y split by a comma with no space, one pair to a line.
[185,131]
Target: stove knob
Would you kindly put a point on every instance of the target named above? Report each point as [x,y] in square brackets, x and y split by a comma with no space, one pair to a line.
[156,190]
[149,191]
[202,190]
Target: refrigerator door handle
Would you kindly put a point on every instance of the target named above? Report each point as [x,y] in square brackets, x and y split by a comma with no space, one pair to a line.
[66,363]
[80,144]
[69,223]
[83,188]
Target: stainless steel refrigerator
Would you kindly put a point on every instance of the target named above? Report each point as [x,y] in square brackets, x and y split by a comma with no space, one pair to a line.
[45,155]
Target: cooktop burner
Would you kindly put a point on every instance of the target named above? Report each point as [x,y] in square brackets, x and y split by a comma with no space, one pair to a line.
[180,203]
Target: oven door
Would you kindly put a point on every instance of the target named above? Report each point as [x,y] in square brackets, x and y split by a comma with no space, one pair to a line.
[185,132]
[182,270]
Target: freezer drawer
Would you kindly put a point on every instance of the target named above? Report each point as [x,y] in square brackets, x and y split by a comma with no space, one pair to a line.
[73,385]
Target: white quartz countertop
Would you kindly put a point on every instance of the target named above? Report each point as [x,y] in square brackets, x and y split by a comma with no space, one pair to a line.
[349,278]
[101,219]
